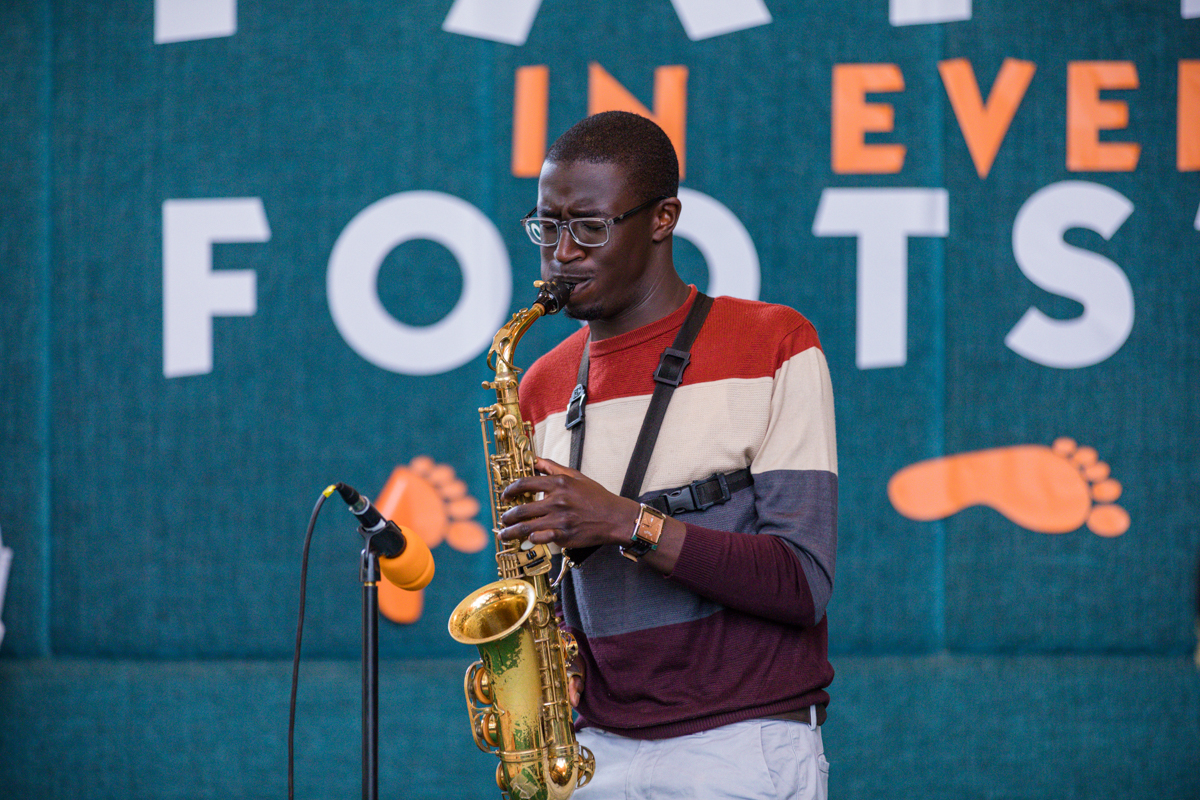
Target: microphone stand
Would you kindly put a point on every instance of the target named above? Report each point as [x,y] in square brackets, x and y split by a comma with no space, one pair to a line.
[370,670]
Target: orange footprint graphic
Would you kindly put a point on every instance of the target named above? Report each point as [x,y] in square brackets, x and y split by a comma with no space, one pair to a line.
[1045,489]
[429,499]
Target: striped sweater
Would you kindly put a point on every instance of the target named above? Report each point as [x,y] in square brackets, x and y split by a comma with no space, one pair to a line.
[738,629]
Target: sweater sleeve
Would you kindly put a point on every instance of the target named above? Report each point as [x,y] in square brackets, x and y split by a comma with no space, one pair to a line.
[783,569]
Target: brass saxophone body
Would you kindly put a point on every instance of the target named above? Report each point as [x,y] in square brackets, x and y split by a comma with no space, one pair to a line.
[517,692]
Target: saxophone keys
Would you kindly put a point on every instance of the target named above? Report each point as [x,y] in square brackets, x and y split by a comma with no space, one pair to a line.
[569,645]
[587,766]
[489,729]
[541,615]
[481,686]
[501,777]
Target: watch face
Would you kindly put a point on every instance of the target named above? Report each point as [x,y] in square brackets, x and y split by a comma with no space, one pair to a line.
[646,533]
[649,525]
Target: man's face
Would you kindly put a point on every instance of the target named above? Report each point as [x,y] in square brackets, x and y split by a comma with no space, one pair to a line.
[609,279]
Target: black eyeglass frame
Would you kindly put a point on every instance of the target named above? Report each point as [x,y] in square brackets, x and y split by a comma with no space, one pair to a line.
[568,223]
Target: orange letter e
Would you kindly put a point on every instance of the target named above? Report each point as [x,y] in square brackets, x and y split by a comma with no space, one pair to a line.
[1087,115]
[853,117]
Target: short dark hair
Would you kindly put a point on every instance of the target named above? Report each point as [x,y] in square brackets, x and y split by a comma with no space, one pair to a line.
[630,140]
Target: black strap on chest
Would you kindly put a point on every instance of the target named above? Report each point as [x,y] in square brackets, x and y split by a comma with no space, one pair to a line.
[702,494]
[667,376]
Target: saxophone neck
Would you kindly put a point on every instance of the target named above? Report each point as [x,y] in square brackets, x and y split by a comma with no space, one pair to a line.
[504,343]
[552,296]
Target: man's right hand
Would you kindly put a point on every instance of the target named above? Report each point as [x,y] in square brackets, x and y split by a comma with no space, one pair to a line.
[574,685]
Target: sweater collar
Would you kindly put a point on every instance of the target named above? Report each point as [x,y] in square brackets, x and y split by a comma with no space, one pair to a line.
[651,330]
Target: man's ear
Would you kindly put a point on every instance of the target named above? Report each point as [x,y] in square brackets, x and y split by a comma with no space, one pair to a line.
[666,217]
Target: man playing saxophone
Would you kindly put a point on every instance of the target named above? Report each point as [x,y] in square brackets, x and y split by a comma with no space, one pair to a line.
[698,602]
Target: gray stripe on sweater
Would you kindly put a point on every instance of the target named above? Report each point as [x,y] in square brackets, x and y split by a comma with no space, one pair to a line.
[619,596]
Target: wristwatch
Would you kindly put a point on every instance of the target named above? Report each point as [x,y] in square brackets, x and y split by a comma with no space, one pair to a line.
[646,532]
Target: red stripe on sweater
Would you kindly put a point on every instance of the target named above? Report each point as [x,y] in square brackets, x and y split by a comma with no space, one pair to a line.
[733,334]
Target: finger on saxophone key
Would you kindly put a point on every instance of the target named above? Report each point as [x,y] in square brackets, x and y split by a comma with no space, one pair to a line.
[574,687]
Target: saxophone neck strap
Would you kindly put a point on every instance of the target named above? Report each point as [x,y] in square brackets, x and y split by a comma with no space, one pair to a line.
[575,408]
[667,376]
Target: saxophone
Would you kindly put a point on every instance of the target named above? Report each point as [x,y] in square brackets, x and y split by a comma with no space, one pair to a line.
[517,692]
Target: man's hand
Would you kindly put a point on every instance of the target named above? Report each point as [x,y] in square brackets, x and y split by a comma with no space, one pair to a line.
[576,512]
[574,684]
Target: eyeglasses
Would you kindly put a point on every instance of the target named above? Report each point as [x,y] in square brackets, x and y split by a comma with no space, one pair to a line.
[586,231]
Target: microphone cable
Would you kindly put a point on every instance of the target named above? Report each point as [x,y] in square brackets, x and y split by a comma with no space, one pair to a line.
[291,735]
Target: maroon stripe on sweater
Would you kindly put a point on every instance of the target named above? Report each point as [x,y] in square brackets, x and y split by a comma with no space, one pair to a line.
[680,679]
[771,584]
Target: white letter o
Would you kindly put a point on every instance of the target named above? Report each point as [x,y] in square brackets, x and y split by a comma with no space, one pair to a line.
[353,272]
[724,242]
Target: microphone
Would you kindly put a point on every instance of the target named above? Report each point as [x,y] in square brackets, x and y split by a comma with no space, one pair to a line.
[404,558]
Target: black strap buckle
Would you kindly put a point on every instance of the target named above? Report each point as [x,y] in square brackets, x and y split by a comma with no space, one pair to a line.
[575,406]
[671,366]
[678,500]
[691,496]
[722,484]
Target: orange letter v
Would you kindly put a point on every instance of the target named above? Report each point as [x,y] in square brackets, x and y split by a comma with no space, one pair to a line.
[984,126]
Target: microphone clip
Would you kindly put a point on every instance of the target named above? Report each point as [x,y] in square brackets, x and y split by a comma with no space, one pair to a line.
[385,540]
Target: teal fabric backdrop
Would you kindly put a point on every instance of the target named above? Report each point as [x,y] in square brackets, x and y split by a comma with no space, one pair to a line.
[157,519]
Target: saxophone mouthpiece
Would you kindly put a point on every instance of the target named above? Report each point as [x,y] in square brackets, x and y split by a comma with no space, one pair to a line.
[553,294]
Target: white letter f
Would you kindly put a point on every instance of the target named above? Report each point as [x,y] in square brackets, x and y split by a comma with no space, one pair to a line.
[192,293]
